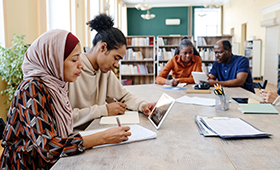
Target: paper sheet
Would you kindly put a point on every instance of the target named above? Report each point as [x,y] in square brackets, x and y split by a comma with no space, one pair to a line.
[138,133]
[130,117]
[196,100]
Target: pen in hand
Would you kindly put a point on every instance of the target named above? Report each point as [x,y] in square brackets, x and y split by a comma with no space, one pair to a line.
[118,121]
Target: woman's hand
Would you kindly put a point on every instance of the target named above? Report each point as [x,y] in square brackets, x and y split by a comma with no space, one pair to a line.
[116,135]
[109,136]
[268,96]
[172,82]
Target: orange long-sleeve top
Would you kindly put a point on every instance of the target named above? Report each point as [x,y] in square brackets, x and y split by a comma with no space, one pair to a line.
[179,71]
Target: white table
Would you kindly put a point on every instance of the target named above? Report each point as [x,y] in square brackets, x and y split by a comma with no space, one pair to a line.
[179,144]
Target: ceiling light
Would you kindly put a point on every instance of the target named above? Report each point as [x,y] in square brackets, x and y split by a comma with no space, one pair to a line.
[143,7]
[211,6]
[148,15]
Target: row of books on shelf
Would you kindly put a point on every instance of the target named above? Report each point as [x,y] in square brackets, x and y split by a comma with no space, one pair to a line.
[134,69]
[126,82]
[140,41]
[165,55]
[207,54]
[160,41]
[133,55]
[201,41]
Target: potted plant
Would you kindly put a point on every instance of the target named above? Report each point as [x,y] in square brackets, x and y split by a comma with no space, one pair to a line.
[10,65]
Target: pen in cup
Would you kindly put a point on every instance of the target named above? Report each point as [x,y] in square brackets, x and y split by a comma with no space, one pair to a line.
[118,120]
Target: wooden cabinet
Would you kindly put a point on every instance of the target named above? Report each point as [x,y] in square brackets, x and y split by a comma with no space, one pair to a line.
[137,66]
[166,46]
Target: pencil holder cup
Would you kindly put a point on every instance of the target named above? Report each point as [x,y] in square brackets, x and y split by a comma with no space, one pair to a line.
[222,102]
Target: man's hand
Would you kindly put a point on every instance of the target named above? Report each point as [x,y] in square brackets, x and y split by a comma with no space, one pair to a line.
[212,82]
[116,108]
[147,108]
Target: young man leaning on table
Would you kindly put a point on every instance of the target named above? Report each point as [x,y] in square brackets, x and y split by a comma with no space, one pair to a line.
[97,83]
[230,70]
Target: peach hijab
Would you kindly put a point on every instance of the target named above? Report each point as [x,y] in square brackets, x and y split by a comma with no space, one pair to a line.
[44,59]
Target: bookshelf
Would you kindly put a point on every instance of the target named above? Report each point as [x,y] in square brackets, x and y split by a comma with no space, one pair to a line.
[205,46]
[253,53]
[137,66]
[166,46]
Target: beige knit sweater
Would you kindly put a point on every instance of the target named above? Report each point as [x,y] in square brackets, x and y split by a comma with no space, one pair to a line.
[89,94]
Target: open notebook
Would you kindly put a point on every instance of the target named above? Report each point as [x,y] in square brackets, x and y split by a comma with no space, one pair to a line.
[130,117]
[138,133]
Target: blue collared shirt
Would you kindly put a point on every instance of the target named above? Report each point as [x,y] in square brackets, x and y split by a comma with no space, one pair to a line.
[237,64]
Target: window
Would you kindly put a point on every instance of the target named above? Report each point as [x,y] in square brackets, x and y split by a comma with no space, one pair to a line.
[2,33]
[207,22]
[58,14]
[94,10]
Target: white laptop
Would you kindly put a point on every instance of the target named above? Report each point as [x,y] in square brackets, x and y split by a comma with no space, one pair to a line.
[199,76]
[161,110]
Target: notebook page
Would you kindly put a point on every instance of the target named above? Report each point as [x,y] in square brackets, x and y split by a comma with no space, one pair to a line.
[138,133]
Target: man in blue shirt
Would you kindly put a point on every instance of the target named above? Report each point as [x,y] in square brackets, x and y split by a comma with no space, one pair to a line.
[230,70]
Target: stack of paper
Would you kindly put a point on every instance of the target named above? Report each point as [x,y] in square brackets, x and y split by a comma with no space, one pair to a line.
[138,133]
[225,127]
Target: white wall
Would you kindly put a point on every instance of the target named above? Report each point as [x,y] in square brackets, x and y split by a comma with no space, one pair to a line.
[238,12]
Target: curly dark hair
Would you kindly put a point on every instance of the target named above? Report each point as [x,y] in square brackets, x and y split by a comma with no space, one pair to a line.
[103,24]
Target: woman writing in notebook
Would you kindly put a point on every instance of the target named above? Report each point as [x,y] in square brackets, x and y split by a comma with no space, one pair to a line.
[39,128]
[181,66]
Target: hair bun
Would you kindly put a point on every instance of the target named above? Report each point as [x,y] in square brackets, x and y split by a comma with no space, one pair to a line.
[101,22]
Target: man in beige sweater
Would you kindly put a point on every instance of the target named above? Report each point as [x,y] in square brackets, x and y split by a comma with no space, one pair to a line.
[89,93]
[97,83]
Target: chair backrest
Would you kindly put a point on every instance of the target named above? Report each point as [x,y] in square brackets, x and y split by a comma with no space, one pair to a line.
[2,127]
[264,84]
[260,85]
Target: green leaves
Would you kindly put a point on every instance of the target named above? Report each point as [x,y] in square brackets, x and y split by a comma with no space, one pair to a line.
[10,65]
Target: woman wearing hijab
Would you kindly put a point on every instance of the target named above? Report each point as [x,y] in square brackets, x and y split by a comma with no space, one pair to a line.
[39,128]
